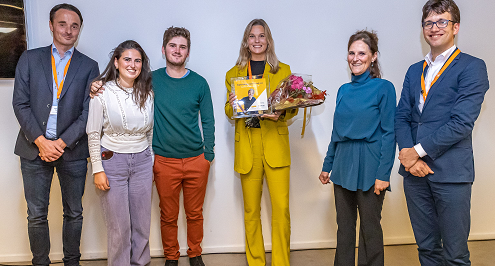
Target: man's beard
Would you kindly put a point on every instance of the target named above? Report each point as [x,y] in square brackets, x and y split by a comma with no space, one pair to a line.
[177,64]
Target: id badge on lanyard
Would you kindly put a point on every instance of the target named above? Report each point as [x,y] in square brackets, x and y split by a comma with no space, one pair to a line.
[54,109]
[59,87]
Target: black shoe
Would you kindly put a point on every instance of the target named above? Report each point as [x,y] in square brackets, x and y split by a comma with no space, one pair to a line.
[196,261]
[171,263]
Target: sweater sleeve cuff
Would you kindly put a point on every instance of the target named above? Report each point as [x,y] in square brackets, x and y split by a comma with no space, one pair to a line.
[327,168]
[209,156]
[97,167]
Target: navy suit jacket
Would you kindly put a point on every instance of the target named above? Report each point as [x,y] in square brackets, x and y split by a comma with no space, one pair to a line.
[33,96]
[445,126]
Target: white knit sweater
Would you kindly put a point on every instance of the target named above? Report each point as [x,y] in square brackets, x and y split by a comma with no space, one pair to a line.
[126,128]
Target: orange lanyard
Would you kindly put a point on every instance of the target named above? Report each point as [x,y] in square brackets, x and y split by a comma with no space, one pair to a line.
[55,77]
[423,86]
[250,73]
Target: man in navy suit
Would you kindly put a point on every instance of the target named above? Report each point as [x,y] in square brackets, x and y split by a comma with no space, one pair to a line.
[51,101]
[440,101]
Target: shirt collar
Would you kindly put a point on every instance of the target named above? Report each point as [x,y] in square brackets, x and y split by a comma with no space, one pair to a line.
[185,75]
[67,53]
[441,58]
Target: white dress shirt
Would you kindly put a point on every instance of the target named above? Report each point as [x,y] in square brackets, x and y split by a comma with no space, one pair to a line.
[434,66]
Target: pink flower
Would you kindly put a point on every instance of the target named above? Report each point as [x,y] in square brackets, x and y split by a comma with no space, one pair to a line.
[297,83]
[308,89]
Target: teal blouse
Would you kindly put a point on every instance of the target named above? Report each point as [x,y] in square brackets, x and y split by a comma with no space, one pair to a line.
[362,146]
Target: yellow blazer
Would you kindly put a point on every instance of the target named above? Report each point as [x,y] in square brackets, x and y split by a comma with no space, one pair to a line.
[274,134]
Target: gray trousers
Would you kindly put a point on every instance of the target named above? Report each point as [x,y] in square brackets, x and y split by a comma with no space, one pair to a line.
[369,205]
[127,207]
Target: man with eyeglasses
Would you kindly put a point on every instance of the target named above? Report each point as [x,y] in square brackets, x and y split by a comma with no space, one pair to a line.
[440,101]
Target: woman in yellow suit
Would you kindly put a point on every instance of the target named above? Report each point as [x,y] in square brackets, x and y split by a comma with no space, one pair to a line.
[262,148]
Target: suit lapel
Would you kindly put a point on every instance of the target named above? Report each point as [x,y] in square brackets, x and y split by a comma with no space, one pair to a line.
[242,72]
[267,69]
[46,64]
[268,75]
[434,88]
[417,93]
[71,72]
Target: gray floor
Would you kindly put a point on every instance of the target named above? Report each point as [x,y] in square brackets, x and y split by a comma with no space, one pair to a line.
[482,254]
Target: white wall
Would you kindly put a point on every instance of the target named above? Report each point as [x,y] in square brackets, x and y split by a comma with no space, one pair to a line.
[311,36]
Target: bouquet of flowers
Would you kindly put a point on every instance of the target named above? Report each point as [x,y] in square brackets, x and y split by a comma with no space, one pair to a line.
[296,91]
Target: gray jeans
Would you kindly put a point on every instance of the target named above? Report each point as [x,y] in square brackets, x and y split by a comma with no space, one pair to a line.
[127,207]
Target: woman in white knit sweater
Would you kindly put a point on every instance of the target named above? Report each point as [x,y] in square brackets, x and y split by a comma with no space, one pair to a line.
[120,126]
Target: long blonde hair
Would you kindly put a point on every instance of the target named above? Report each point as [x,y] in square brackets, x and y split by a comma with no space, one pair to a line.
[245,54]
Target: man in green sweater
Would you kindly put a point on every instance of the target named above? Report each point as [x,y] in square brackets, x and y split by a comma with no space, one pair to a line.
[182,154]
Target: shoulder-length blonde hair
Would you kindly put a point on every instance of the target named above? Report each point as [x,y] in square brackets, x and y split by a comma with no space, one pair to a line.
[245,54]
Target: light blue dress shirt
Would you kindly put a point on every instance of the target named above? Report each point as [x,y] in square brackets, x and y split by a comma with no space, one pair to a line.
[60,63]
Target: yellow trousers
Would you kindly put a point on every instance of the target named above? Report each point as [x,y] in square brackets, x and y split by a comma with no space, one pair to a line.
[278,185]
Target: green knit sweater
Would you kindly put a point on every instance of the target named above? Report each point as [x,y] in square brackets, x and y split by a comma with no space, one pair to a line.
[178,102]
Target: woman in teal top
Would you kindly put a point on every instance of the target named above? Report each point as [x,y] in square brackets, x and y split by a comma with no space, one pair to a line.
[361,153]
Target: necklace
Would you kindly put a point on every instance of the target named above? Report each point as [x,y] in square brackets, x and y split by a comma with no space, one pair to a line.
[123,89]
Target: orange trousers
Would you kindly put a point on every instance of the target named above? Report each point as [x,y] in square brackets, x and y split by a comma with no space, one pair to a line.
[171,176]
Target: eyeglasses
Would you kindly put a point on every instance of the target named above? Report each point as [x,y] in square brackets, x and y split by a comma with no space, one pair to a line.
[440,24]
